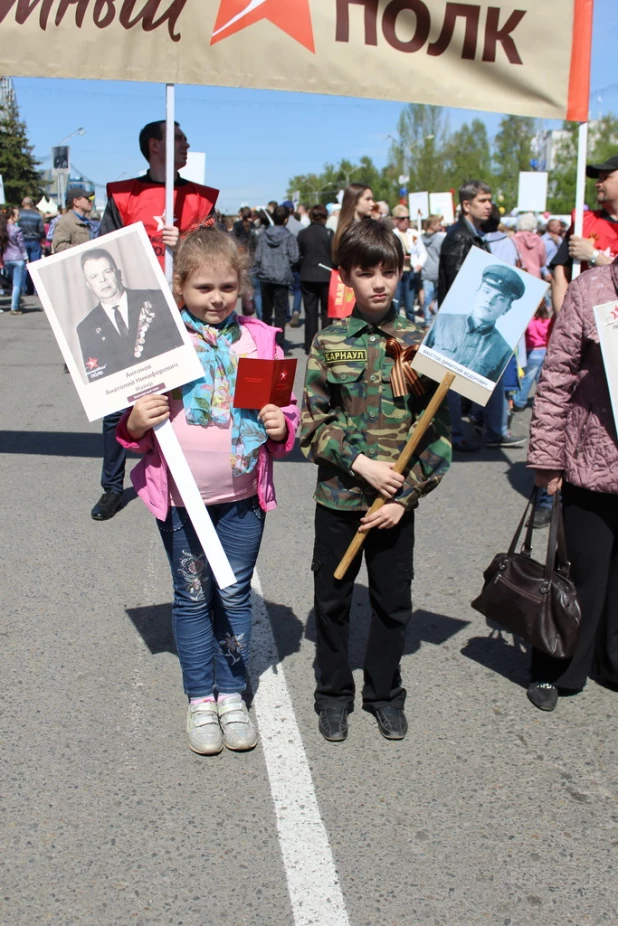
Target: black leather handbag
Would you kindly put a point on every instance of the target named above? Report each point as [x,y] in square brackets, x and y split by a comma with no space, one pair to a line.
[535,601]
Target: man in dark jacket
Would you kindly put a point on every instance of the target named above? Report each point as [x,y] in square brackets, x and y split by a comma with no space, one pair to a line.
[275,256]
[475,201]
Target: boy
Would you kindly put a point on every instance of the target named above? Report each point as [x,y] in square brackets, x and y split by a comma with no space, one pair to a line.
[356,420]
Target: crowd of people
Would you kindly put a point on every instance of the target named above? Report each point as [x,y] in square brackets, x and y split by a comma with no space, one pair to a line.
[361,399]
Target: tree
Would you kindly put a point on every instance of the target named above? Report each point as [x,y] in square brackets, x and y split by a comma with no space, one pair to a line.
[467,155]
[18,166]
[323,188]
[417,151]
[512,154]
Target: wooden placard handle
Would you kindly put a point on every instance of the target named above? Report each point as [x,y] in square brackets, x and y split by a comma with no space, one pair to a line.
[404,458]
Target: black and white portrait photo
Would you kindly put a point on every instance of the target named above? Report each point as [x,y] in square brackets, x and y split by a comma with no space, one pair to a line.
[126,326]
[480,324]
[113,314]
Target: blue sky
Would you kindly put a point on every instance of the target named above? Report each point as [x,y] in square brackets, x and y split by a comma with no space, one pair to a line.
[254,140]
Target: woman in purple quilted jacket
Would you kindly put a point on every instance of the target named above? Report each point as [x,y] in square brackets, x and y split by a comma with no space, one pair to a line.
[574,448]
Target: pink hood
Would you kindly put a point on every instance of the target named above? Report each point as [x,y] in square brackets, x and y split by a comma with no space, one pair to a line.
[150,476]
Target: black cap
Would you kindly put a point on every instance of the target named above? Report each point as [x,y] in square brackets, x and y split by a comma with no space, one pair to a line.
[593,170]
[76,192]
[507,280]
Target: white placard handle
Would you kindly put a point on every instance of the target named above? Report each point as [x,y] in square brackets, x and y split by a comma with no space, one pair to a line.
[189,492]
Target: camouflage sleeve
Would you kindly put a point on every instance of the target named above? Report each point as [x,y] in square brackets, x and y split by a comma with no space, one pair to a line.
[431,460]
[326,434]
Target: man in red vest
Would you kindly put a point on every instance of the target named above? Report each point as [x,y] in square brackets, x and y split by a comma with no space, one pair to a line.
[142,199]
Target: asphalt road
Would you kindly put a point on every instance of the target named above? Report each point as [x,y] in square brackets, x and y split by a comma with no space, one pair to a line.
[490,812]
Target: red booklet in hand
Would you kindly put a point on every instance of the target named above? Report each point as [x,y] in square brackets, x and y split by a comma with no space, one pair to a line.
[264,382]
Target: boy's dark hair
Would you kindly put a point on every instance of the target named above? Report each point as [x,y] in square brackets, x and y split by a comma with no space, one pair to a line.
[370,243]
[280,215]
[471,189]
[152,130]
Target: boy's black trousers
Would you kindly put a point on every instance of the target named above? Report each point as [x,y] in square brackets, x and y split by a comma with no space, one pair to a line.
[389,557]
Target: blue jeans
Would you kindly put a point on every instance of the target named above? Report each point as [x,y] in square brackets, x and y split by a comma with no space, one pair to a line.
[430,291]
[409,285]
[212,627]
[297,293]
[257,294]
[114,455]
[531,375]
[16,270]
[34,252]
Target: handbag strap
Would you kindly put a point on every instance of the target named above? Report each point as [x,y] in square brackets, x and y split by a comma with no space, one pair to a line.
[527,544]
[556,558]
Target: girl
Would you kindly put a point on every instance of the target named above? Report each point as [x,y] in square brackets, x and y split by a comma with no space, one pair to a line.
[357,203]
[14,255]
[230,454]
[537,339]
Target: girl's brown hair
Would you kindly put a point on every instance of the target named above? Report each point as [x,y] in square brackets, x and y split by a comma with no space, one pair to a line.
[208,245]
[353,193]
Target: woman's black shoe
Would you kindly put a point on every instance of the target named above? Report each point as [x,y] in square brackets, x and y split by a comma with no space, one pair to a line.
[107,506]
[543,695]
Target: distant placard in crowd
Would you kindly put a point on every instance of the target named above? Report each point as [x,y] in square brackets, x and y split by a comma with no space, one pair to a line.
[479,325]
[606,317]
[442,204]
[532,192]
[115,321]
[418,204]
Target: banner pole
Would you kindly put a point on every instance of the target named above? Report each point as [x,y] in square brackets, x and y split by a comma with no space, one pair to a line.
[414,440]
[580,194]
[170,172]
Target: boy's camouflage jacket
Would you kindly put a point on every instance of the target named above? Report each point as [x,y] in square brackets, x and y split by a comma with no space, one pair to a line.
[349,408]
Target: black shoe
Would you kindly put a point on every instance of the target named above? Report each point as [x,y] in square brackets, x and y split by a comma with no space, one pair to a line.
[542,517]
[392,722]
[107,506]
[508,440]
[334,724]
[464,446]
[543,695]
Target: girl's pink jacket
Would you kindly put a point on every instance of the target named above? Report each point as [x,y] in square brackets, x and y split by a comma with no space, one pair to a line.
[150,476]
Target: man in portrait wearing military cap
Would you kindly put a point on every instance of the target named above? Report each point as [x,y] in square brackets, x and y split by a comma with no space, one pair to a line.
[127,326]
[473,340]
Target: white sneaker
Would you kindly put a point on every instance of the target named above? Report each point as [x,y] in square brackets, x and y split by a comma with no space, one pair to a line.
[239,731]
[204,732]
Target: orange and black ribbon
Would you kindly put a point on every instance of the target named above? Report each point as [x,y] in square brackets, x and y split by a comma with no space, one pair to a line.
[403,378]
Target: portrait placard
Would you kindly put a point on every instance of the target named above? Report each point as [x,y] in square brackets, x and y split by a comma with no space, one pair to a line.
[479,325]
[115,321]
[606,317]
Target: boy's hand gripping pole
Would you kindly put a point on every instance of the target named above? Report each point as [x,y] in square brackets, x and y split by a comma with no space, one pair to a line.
[404,458]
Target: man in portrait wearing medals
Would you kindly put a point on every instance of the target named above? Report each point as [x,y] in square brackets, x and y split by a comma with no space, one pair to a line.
[127,326]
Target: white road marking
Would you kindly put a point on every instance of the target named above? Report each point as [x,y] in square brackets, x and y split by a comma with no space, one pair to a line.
[313,884]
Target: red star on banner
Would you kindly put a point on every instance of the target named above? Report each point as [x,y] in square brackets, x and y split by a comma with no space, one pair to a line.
[291,16]
[92,363]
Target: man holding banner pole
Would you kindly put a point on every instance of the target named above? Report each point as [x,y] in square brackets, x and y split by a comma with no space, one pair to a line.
[144,199]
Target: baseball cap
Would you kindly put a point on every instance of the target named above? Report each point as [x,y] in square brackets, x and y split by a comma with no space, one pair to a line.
[76,192]
[401,212]
[507,280]
[593,170]
[288,204]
